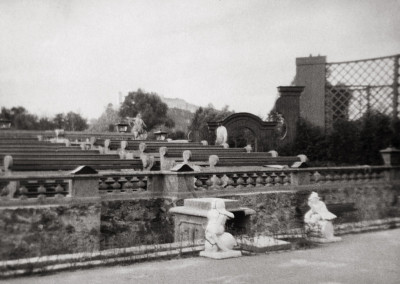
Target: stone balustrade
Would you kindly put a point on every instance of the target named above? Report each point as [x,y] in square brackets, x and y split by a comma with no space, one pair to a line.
[39,186]
[61,213]
[124,183]
[35,187]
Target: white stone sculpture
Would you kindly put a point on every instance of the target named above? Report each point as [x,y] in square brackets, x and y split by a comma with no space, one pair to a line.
[222,135]
[318,221]
[138,126]
[218,243]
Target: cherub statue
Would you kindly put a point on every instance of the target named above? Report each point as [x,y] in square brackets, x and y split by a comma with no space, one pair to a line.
[216,237]
[318,219]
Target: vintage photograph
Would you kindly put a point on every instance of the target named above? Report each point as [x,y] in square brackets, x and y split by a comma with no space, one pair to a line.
[199,141]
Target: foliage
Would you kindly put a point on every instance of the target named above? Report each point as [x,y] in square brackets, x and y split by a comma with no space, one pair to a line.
[349,143]
[107,120]
[204,115]
[150,106]
[177,135]
[21,119]
[181,117]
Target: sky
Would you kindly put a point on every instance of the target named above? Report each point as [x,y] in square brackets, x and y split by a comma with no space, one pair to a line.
[66,55]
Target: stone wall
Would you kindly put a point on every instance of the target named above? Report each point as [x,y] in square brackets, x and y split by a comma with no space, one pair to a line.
[126,223]
[119,218]
[281,212]
[48,229]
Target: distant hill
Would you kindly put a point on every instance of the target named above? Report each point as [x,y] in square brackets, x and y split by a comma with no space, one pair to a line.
[181,117]
[179,103]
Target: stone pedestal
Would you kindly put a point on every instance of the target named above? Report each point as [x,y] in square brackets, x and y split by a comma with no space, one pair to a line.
[262,244]
[221,254]
[191,218]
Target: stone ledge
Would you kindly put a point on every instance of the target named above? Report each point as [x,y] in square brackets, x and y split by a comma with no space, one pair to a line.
[221,254]
[45,264]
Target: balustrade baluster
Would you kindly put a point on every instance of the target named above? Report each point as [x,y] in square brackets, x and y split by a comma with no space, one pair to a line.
[208,181]
[142,184]
[269,180]
[135,183]
[23,191]
[260,180]
[41,190]
[128,185]
[215,182]
[250,181]
[230,181]
[59,190]
[103,185]
[240,181]
[285,178]
[116,186]
[277,180]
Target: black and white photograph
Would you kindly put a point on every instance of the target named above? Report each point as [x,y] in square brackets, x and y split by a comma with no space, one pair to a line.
[200,141]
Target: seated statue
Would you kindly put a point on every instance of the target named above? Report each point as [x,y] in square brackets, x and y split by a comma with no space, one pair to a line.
[216,237]
[318,220]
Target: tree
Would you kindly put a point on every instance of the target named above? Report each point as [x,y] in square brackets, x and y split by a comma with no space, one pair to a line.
[149,105]
[75,122]
[204,115]
[107,120]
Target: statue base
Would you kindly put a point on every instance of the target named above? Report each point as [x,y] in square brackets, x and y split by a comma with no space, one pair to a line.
[262,244]
[221,254]
[324,240]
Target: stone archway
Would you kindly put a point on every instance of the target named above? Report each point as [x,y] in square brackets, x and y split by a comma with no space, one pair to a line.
[263,131]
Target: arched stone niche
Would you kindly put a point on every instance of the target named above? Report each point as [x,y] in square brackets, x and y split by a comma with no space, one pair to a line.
[263,131]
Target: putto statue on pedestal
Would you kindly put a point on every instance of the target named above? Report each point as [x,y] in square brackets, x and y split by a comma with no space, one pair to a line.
[318,221]
[218,243]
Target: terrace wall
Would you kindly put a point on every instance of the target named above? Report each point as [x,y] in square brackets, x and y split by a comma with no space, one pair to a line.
[97,212]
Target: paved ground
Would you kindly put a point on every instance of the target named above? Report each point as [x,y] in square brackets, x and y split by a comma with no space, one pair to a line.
[364,258]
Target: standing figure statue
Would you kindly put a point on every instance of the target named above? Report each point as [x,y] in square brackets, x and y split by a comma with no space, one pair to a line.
[216,238]
[222,135]
[137,125]
[318,220]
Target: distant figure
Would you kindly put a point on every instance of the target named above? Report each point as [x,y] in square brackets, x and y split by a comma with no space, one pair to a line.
[138,126]
[222,135]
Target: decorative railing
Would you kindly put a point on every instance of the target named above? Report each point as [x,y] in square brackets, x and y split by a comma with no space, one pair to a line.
[346,175]
[30,187]
[56,186]
[124,183]
[241,180]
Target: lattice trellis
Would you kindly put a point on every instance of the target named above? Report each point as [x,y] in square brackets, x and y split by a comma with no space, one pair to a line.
[356,87]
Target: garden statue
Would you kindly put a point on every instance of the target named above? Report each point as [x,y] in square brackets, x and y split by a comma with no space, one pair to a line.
[222,135]
[216,239]
[318,224]
[137,125]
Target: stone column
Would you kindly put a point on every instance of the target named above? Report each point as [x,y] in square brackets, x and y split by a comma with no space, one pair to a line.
[311,73]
